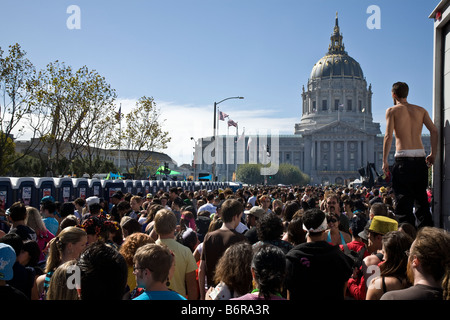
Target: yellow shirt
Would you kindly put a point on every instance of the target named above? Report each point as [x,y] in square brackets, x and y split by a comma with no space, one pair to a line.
[184,263]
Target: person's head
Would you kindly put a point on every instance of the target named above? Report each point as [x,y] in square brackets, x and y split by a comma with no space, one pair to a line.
[95,229]
[130,226]
[253,215]
[59,288]
[290,209]
[135,203]
[296,234]
[234,268]
[165,222]
[132,243]
[34,220]
[152,264]
[269,270]
[357,224]
[400,90]
[394,246]
[314,223]
[333,203]
[13,240]
[17,212]
[269,227]
[69,221]
[30,254]
[69,244]
[67,208]
[333,221]
[378,209]
[48,208]
[103,273]
[79,203]
[430,256]
[232,210]
[408,228]
[177,203]
[188,238]
[123,207]
[379,226]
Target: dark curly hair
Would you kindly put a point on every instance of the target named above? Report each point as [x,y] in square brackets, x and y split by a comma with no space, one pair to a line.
[269,227]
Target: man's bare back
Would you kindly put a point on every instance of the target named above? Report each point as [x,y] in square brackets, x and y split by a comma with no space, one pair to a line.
[406,122]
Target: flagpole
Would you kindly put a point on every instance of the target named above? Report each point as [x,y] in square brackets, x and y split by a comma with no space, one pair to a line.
[120,130]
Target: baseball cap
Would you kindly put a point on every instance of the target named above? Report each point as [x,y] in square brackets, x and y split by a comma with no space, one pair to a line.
[7,260]
[256,211]
[47,198]
[92,200]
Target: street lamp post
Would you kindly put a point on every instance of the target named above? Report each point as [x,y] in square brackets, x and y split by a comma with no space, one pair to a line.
[215,133]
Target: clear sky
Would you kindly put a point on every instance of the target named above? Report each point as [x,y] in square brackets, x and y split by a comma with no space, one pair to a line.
[187,54]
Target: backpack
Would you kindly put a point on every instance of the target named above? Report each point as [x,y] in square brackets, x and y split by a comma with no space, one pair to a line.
[356,257]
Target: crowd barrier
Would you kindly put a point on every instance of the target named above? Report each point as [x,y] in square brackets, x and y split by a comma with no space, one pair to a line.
[30,190]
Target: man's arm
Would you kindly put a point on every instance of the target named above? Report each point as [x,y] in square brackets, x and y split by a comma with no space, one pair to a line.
[191,286]
[433,138]
[388,136]
[201,278]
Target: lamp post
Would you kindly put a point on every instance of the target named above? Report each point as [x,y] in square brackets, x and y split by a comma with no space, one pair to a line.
[213,176]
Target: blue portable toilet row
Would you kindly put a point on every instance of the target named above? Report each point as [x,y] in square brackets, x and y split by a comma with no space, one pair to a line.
[30,190]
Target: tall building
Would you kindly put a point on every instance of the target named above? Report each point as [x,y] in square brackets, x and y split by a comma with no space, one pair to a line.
[336,134]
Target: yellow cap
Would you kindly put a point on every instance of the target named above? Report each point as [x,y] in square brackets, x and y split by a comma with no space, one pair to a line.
[382,225]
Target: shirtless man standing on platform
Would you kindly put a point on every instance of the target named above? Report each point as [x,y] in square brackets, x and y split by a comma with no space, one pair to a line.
[410,170]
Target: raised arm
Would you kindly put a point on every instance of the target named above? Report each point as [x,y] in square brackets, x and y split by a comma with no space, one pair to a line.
[388,136]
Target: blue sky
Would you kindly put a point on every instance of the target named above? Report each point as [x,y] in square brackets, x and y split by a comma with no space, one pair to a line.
[189,53]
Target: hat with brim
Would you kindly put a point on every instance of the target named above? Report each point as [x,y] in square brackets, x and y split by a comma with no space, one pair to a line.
[256,211]
[365,233]
[383,225]
[7,260]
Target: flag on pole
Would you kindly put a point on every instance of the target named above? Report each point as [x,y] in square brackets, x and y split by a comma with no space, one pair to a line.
[241,137]
[119,114]
[232,123]
[222,115]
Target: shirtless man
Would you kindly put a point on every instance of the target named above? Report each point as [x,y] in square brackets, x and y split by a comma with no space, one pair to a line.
[410,171]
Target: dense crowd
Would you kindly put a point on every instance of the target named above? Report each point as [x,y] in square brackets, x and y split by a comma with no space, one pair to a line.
[256,243]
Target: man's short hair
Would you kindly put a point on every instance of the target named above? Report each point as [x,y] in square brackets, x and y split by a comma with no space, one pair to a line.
[400,89]
[165,222]
[231,208]
[18,211]
[158,259]
[313,219]
[50,206]
[432,248]
[379,209]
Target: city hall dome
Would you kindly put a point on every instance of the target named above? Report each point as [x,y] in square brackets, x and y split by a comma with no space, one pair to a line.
[336,63]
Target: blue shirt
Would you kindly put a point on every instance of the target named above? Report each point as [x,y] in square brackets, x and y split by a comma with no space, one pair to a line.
[160,295]
[52,225]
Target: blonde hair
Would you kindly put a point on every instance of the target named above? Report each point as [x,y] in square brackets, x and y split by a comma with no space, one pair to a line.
[59,289]
[165,222]
[59,243]
[34,220]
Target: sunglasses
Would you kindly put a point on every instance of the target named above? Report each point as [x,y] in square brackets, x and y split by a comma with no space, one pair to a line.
[332,220]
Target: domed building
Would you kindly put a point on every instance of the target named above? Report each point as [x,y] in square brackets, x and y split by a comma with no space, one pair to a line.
[336,135]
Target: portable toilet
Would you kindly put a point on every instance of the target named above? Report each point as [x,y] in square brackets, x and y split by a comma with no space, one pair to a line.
[110,187]
[129,187]
[95,188]
[6,193]
[45,186]
[138,186]
[146,186]
[153,186]
[64,189]
[24,190]
[160,185]
[81,188]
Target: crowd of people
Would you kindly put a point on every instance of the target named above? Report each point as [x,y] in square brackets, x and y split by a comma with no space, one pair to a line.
[256,243]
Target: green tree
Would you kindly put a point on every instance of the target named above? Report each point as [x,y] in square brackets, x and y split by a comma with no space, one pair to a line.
[73,104]
[16,107]
[290,175]
[142,135]
[250,173]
